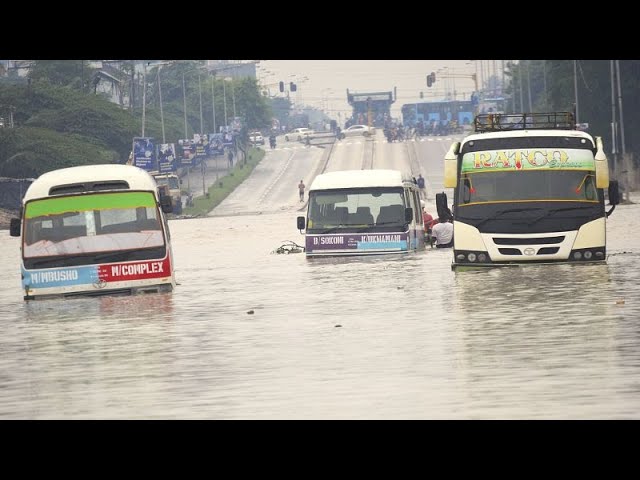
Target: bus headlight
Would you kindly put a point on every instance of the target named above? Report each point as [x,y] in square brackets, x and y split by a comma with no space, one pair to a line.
[466,256]
[588,254]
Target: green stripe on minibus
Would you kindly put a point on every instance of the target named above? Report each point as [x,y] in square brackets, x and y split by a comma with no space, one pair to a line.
[97,201]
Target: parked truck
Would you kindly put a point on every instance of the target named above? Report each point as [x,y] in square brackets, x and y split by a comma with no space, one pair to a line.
[171,181]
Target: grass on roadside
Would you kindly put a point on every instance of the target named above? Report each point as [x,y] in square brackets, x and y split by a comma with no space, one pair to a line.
[218,192]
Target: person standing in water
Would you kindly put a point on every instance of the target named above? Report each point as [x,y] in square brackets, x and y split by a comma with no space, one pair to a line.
[301,188]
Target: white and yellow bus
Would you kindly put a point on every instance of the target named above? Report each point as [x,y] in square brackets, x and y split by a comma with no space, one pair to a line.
[94,230]
[528,188]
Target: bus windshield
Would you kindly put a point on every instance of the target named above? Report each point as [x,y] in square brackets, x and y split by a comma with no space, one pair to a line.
[349,208]
[172,182]
[527,169]
[89,223]
[550,185]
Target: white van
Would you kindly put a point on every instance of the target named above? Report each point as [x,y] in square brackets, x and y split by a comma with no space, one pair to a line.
[363,212]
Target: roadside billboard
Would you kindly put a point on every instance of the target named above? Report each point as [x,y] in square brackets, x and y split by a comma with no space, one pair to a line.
[167,158]
[216,144]
[144,153]
[186,152]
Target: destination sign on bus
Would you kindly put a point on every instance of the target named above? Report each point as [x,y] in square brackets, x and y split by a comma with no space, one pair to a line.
[373,97]
[534,159]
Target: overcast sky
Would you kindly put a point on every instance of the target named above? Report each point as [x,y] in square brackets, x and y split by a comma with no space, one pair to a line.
[328,80]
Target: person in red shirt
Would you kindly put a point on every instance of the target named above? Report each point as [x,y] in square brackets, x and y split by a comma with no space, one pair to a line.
[428,221]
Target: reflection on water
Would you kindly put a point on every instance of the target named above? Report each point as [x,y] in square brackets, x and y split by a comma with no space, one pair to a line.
[251,334]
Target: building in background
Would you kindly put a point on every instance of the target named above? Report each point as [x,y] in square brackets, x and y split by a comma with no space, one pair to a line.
[233,68]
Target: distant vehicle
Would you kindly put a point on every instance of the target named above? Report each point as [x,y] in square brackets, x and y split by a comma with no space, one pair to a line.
[256,138]
[299,134]
[172,182]
[363,212]
[355,130]
[94,230]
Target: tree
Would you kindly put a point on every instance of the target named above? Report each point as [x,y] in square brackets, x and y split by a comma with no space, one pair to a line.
[62,72]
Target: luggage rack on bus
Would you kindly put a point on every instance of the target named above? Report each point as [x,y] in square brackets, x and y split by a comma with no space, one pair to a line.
[501,122]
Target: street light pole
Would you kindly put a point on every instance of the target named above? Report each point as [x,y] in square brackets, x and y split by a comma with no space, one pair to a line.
[544,80]
[144,94]
[200,93]
[224,95]
[575,87]
[529,84]
[521,94]
[233,96]
[213,108]
[613,123]
[620,108]
[213,102]
[160,95]
[184,103]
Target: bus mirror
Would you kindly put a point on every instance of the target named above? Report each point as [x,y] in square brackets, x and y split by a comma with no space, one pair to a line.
[602,174]
[301,223]
[614,193]
[14,227]
[600,155]
[451,166]
[166,204]
[602,166]
[408,214]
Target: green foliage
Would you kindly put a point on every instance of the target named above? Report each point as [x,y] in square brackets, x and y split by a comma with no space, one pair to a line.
[61,72]
[33,151]
[594,93]
[59,123]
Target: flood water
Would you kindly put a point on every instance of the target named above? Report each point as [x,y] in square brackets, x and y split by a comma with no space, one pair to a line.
[389,337]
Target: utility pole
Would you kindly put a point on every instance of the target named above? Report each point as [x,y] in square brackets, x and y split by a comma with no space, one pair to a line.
[184,106]
[613,123]
[224,97]
[144,94]
[200,92]
[529,84]
[521,95]
[132,101]
[620,108]
[160,95]
[233,97]
[544,80]
[575,88]
[624,153]
[213,102]
[512,83]
[213,107]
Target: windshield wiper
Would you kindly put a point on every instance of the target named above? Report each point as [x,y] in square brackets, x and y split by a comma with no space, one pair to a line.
[550,212]
[112,256]
[501,212]
[332,229]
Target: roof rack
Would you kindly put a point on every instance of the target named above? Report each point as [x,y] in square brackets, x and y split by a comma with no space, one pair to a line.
[500,122]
